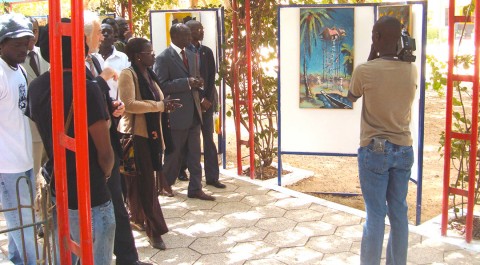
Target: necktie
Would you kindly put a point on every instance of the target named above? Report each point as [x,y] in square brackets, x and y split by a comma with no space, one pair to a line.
[33,63]
[185,60]
[91,66]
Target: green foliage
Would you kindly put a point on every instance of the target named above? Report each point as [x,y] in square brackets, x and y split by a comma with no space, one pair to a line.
[461,123]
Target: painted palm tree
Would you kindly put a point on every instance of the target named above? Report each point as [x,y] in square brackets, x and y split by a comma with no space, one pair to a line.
[311,26]
[348,56]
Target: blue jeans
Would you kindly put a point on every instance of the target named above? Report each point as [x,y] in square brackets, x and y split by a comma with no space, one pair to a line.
[8,190]
[103,226]
[384,180]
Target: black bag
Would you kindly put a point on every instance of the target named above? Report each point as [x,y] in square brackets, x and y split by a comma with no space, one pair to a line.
[127,161]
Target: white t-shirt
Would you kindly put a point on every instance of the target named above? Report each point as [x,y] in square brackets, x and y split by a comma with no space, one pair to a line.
[15,135]
[117,61]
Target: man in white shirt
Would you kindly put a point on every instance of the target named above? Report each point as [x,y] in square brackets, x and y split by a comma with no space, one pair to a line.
[15,136]
[108,56]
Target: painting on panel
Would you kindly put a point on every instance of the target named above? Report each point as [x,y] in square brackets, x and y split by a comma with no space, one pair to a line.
[326,57]
[402,13]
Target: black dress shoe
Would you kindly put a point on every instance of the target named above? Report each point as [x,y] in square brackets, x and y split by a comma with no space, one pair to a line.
[201,195]
[216,184]
[157,243]
[183,176]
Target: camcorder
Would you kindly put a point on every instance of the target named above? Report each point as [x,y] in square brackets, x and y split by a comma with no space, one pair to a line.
[405,47]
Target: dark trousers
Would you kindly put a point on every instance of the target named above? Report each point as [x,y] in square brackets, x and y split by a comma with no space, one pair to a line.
[155,225]
[173,161]
[124,244]
[209,149]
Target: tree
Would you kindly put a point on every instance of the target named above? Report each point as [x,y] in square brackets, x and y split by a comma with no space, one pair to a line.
[348,57]
[311,26]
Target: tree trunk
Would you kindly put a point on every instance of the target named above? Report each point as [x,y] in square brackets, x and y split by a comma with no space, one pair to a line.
[305,78]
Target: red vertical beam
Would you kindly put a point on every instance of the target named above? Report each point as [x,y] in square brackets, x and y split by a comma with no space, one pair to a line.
[130,15]
[448,121]
[474,133]
[236,87]
[248,48]
[81,132]
[55,34]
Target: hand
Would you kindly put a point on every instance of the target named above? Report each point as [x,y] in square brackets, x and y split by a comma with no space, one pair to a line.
[171,104]
[195,82]
[205,104]
[108,73]
[118,108]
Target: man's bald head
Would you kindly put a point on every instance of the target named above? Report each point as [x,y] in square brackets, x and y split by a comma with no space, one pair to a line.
[386,33]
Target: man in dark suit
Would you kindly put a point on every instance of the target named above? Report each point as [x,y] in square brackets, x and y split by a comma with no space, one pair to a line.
[209,98]
[175,68]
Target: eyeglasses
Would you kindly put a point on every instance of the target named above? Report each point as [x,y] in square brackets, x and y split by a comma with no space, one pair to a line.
[152,52]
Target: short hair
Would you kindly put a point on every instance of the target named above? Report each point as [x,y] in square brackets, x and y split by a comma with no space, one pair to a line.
[176,29]
[110,21]
[89,18]
[134,46]
[192,23]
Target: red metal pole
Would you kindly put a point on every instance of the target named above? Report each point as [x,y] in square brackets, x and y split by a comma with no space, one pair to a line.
[81,133]
[248,48]
[130,15]
[474,133]
[448,121]
[235,86]
[55,34]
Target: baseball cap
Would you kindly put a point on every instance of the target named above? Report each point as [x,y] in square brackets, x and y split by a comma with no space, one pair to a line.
[14,26]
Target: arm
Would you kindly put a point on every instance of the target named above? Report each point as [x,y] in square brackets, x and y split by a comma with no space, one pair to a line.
[126,93]
[99,131]
[210,78]
[169,83]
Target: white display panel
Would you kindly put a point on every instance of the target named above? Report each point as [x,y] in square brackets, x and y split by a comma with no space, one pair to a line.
[333,131]
[160,27]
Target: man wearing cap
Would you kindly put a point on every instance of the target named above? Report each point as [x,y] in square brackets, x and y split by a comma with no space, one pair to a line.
[15,137]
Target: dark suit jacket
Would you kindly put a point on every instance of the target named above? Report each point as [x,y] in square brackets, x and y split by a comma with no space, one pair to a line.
[173,77]
[207,72]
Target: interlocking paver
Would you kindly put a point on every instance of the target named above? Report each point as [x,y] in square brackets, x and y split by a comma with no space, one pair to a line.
[341,218]
[210,245]
[276,224]
[352,232]
[292,204]
[222,258]
[257,200]
[241,219]
[303,215]
[255,249]
[176,256]
[239,229]
[231,207]
[286,239]
[299,255]
[329,244]
[246,234]
[315,228]
[269,211]
[424,255]
[202,216]
[343,258]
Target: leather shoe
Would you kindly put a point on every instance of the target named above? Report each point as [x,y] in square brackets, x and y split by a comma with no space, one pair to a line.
[216,184]
[157,243]
[183,176]
[202,196]
[134,263]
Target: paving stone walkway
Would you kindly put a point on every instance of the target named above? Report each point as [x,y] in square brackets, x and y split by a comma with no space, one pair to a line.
[252,223]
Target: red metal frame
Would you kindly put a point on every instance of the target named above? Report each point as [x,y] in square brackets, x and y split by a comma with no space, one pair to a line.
[61,141]
[236,63]
[449,133]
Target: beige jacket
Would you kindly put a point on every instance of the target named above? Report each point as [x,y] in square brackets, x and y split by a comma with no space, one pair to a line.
[129,93]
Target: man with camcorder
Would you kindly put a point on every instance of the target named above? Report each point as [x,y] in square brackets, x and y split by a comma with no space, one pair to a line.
[387,83]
